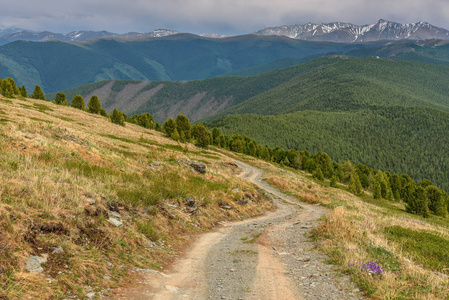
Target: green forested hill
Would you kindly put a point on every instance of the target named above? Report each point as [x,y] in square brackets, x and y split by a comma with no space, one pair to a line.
[344,84]
[410,140]
[56,65]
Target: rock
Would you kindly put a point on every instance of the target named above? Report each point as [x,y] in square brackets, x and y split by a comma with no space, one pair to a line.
[157,163]
[236,190]
[115,222]
[58,250]
[199,167]
[116,214]
[90,201]
[33,263]
[190,201]
[90,295]
[225,207]
[94,211]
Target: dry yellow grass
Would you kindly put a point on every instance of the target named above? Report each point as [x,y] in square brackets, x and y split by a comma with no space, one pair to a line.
[53,158]
[353,234]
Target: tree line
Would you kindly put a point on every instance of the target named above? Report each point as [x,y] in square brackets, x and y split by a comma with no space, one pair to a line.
[421,198]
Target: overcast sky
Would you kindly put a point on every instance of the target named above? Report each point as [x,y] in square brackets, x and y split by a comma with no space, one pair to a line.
[211,16]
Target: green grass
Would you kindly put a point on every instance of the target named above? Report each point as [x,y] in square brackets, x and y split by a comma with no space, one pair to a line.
[118,138]
[423,247]
[42,107]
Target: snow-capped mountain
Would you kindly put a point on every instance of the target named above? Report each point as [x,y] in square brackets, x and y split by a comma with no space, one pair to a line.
[16,34]
[349,33]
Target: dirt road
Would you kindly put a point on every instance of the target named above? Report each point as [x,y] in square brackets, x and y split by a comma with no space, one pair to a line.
[269,257]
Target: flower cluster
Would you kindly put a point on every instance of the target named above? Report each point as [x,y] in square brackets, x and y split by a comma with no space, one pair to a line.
[373,268]
[351,250]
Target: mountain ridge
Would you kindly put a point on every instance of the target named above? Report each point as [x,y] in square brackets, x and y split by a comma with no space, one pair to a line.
[350,33]
[341,32]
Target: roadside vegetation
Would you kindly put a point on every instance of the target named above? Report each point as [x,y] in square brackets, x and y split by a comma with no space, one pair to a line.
[389,253]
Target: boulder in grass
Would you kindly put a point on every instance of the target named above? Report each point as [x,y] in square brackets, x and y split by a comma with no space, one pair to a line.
[199,167]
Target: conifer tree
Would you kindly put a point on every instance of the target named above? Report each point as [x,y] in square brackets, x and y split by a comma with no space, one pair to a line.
[60,99]
[175,135]
[23,91]
[437,203]
[38,93]
[169,126]
[183,126]
[117,117]
[94,105]
[318,174]
[78,102]
[418,204]
[201,135]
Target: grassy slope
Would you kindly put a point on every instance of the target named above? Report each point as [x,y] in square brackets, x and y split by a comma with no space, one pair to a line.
[53,158]
[357,231]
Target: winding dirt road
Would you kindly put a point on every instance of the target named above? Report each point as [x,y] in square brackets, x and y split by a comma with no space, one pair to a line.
[269,257]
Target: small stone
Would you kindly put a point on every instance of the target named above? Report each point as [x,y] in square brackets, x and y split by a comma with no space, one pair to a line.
[199,167]
[90,295]
[90,201]
[33,263]
[190,201]
[106,277]
[116,214]
[115,222]
[236,190]
[58,250]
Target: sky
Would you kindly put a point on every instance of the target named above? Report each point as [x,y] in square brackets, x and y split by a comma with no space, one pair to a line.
[211,16]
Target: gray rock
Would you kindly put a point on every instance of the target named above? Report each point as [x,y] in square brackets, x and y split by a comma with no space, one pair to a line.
[236,190]
[91,201]
[90,295]
[33,263]
[190,201]
[58,250]
[116,214]
[115,222]
[199,167]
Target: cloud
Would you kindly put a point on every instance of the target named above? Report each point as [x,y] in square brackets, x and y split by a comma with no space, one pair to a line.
[221,16]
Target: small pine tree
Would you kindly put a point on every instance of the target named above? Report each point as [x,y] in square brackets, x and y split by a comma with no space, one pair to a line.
[183,126]
[78,102]
[38,93]
[418,204]
[117,117]
[175,135]
[201,135]
[23,91]
[334,181]
[94,105]
[318,174]
[60,99]
[377,190]
[158,127]
[169,126]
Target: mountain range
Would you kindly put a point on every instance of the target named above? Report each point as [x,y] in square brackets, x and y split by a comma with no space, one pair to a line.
[339,32]
[350,33]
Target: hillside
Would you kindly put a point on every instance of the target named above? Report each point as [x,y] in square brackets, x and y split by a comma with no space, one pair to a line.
[110,199]
[57,65]
[321,84]
[90,209]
